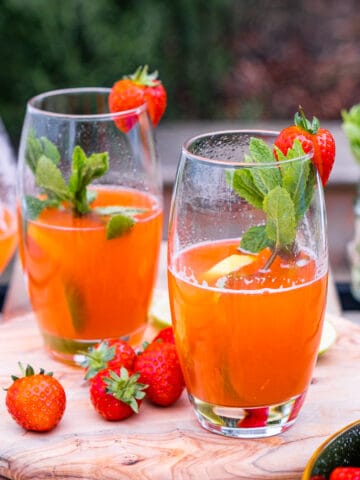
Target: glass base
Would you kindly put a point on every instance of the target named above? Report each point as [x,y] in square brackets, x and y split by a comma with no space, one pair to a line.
[71,351]
[255,422]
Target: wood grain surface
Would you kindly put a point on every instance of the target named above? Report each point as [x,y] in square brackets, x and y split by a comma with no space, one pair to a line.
[167,443]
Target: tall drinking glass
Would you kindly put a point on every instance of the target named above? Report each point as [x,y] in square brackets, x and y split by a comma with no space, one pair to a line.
[247,269]
[90,214]
[8,226]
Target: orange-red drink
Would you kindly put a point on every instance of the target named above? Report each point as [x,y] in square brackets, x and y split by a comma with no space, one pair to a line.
[248,338]
[84,286]
[8,236]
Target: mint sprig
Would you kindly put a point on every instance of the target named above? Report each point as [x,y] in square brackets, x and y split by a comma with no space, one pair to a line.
[43,157]
[351,127]
[283,194]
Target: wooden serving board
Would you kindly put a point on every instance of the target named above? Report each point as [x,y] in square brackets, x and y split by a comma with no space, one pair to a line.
[167,443]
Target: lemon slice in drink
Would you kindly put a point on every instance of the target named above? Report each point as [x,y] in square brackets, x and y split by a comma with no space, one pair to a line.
[227,265]
[159,313]
[328,336]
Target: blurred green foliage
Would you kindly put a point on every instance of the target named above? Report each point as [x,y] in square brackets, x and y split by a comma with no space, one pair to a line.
[218,59]
[51,44]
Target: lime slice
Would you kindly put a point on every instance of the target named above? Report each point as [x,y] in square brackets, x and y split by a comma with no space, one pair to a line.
[159,313]
[228,265]
[328,336]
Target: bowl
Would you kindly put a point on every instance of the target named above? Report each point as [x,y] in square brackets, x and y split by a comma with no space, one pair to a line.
[342,449]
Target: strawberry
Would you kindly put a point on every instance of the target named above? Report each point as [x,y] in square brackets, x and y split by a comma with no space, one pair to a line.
[345,473]
[36,401]
[134,90]
[255,418]
[312,137]
[165,335]
[108,354]
[116,394]
[159,368]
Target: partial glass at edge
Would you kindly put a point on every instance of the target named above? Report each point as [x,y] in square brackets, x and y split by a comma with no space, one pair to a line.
[84,287]
[247,338]
[8,224]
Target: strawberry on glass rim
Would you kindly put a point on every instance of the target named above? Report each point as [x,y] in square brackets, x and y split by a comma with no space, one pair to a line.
[134,90]
[312,137]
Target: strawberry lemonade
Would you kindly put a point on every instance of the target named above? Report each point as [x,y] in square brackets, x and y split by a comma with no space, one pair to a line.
[247,272]
[246,337]
[84,286]
[8,236]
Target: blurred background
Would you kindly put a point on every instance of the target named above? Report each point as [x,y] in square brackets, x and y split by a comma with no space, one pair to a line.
[219,59]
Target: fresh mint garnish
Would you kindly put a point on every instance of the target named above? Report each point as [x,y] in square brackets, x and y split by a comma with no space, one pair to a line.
[76,304]
[83,171]
[36,148]
[118,225]
[255,239]
[43,157]
[280,217]
[283,194]
[34,206]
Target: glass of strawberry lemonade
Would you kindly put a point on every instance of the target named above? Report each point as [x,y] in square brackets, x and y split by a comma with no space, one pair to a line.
[90,216]
[247,270]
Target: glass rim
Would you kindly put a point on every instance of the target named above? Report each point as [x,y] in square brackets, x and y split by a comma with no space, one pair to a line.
[226,162]
[33,108]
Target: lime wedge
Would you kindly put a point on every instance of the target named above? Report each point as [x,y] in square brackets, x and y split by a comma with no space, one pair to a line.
[328,336]
[159,313]
[228,265]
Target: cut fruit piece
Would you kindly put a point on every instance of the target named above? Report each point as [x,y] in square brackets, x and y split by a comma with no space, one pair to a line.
[159,313]
[328,337]
[228,265]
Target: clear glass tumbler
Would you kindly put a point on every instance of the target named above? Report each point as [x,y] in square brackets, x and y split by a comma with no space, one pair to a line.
[90,216]
[247,270]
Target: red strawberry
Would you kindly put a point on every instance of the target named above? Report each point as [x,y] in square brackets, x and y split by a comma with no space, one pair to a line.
[108,354]
[345,473]
[134,90]
[36,401]
[159,368]
[116,395]
[165,335]
[255,418]
[312,137]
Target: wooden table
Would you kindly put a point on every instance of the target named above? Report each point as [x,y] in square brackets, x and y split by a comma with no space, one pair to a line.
[167,443]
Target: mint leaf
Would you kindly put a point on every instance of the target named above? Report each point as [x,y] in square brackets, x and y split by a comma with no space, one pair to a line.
[119,225]
[35,148]
[49,177]
[34,206]
[115,210]
[33,152]
[295,177]
[260,152]
[50,150]
[255,239]
[83,171]
[280,223]
[310,188]
[242,182]
[351,127]
[265,179]
[76,305]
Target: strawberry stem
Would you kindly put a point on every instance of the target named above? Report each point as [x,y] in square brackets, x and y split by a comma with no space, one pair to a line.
[142,77]
[302,122]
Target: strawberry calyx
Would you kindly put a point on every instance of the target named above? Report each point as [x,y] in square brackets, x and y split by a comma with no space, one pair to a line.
[125,387]
[143,78]
[96,359]
[29,372]
[302,122]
